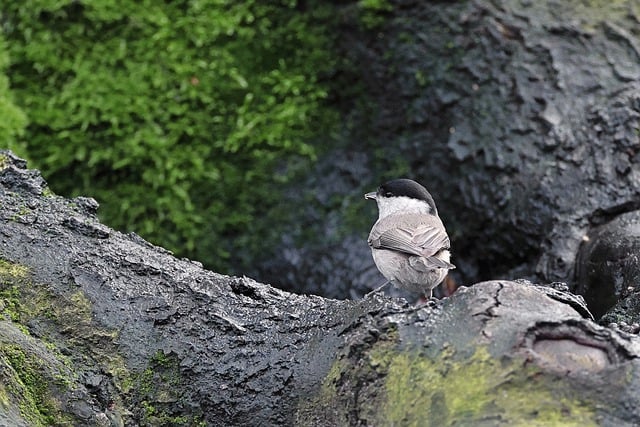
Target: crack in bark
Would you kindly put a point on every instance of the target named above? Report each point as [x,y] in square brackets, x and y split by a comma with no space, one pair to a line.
[489,313]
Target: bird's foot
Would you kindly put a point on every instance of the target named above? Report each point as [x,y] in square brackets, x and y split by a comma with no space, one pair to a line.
[376,290]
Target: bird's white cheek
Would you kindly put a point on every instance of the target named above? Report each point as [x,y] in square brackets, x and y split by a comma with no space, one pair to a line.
[388,206]
[445,255]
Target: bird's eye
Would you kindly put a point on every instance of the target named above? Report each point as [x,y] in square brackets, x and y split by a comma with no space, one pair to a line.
[388,194]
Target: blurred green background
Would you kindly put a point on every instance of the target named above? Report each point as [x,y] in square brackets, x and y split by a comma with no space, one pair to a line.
[184,119]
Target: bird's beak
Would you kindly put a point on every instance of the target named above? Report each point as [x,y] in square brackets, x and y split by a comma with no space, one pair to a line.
[371,195]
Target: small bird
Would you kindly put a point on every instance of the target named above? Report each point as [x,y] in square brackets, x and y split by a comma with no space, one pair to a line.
[409,243]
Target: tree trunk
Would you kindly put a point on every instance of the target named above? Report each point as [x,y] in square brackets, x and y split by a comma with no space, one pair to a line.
[103,328]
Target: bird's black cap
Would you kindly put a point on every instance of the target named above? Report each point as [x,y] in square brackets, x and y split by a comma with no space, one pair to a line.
[407,188]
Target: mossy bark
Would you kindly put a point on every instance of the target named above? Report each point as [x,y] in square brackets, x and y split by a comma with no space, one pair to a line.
[481,359]
[104,328]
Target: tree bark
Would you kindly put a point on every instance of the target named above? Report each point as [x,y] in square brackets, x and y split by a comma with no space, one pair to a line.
[120,332]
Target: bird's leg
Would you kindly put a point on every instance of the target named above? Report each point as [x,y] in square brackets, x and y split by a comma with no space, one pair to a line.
[426,299]
[430,299]
[378,289]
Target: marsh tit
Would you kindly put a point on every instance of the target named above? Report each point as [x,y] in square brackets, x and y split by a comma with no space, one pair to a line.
[409,243]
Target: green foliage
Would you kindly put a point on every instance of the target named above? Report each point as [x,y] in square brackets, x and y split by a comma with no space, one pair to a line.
[12,118]
[372,12]
[182,118]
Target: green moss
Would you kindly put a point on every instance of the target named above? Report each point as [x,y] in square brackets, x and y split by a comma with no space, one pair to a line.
[447,390]
[155,417]
[162,359]
[10,271]
[460,392]
[145,382]
[4,162]
[329,390]
[32,381]
[12,276]
[324,406]
[22,211]
[30,385]
[71,315]
[156,388]
[81,304]
[60,317]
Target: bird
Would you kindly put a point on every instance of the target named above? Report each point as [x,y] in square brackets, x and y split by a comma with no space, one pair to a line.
[409,243]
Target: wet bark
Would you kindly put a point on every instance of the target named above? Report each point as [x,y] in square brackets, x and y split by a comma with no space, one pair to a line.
[120,332]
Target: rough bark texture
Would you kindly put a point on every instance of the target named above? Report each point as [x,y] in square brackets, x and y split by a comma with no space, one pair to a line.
[102,328]
[608,268]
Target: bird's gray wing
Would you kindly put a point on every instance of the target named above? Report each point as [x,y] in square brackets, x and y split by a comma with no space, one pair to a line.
[427,264]
[424,240]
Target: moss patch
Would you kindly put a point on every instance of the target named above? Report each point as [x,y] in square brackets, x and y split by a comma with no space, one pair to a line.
[389,387]
[156,388]
[10,272]
[458,392]
[4,162]
[34,371]
[30,385]
[12,276]
[61,319]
